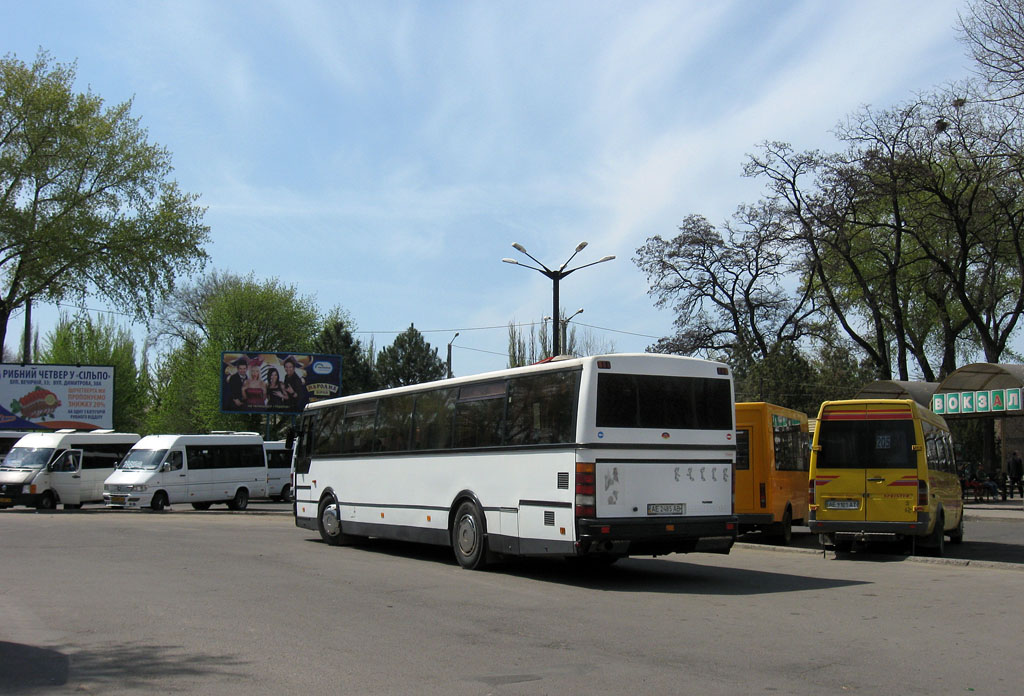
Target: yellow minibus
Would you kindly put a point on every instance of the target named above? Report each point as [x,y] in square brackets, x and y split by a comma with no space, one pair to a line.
[772,459]
[883,469]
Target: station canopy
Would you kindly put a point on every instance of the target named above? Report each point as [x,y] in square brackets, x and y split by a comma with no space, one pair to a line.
[978,389]
[921,392]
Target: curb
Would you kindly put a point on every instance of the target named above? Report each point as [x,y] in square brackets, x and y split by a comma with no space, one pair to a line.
[926,560]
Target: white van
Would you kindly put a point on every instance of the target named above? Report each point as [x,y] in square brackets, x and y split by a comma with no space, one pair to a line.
[62,466]
[279,470]
[161,470]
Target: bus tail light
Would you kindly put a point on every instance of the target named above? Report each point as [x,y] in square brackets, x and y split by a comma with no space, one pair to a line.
[810,492]
[586,505]
[922,495]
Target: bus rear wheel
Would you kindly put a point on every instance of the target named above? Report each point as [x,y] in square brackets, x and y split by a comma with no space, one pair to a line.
[468,539]
[240,501]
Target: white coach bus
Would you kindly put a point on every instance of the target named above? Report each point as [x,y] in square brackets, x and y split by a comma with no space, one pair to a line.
[599,457]
[161,470]
[61,466]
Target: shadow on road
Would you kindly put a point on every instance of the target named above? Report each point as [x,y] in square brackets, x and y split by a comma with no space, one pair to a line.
[641,574]
[27,669]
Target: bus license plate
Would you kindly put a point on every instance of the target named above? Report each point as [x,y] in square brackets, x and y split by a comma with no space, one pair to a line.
[666,508]
[842,505]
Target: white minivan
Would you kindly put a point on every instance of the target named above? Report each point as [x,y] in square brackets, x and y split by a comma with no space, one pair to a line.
[61,466]
[279,470]
[161,470]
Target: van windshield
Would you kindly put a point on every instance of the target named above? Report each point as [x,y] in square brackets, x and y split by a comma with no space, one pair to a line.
[866,445]
[28,457]
[142,460]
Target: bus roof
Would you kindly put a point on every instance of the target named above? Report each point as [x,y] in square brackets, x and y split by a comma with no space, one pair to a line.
[550,365]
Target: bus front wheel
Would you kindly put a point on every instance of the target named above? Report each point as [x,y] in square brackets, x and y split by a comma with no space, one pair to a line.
[329,523]
[468,537]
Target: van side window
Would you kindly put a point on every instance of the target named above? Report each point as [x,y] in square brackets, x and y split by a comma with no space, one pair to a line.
[174,460]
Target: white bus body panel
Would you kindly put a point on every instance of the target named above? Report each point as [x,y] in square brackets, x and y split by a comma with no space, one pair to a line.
[278,477]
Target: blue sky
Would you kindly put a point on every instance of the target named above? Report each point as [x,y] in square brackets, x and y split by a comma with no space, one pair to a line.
[383,156]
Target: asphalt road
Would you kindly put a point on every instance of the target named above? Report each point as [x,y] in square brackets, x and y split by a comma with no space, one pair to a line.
[246,603]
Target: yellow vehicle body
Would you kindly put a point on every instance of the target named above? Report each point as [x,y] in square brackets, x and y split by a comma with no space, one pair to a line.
[883,468]
[772,459]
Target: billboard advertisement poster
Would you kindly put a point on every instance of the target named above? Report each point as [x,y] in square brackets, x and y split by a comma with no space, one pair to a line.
[264,382]
[51,397]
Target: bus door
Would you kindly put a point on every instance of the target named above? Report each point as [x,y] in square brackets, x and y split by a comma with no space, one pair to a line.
[746,447]
[866,468]
[175,476]
[890,480]
[66,476]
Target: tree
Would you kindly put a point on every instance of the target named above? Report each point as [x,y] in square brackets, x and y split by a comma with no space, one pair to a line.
[409,360]
[993,31]
[86,202]
[222,312]
[335,338]
[97,341]
[727,290]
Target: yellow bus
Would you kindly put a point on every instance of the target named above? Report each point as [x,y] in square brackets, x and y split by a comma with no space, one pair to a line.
[772,460]
[883,469]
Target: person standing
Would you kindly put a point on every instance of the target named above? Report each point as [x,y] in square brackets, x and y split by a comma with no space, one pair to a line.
[233,398]
[1016,471]
[294,386]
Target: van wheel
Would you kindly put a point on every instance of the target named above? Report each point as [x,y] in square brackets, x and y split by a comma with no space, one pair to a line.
[782,532]
[329,523]
[159,501]
[468,537]
[47,501]
[240,501]
[286,494]
[957,535]
[202,506]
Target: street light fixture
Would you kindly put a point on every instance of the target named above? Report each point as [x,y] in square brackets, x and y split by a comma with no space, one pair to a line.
[565,328]
[555,276]
[450,354]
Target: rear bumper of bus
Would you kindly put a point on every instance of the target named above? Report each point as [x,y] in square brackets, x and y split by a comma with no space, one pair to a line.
[656,537]
[862,530]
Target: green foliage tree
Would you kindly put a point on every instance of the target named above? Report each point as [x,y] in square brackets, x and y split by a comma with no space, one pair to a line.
[335,338]
[409,360]
[223,312]
[85,340]
[87,204]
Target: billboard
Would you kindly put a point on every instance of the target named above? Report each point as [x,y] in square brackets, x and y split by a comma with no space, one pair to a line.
[262,382]
[50,397]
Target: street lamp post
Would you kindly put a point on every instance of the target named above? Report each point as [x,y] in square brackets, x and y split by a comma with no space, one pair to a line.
[565,328]
[450,354]
[555,276]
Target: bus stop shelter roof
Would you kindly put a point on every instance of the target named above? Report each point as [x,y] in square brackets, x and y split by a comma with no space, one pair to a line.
[921,392]
[981,376]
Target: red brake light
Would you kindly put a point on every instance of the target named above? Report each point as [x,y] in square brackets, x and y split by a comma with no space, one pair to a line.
[586,490]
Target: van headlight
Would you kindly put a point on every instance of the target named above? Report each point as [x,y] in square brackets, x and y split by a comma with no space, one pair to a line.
[138,487]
